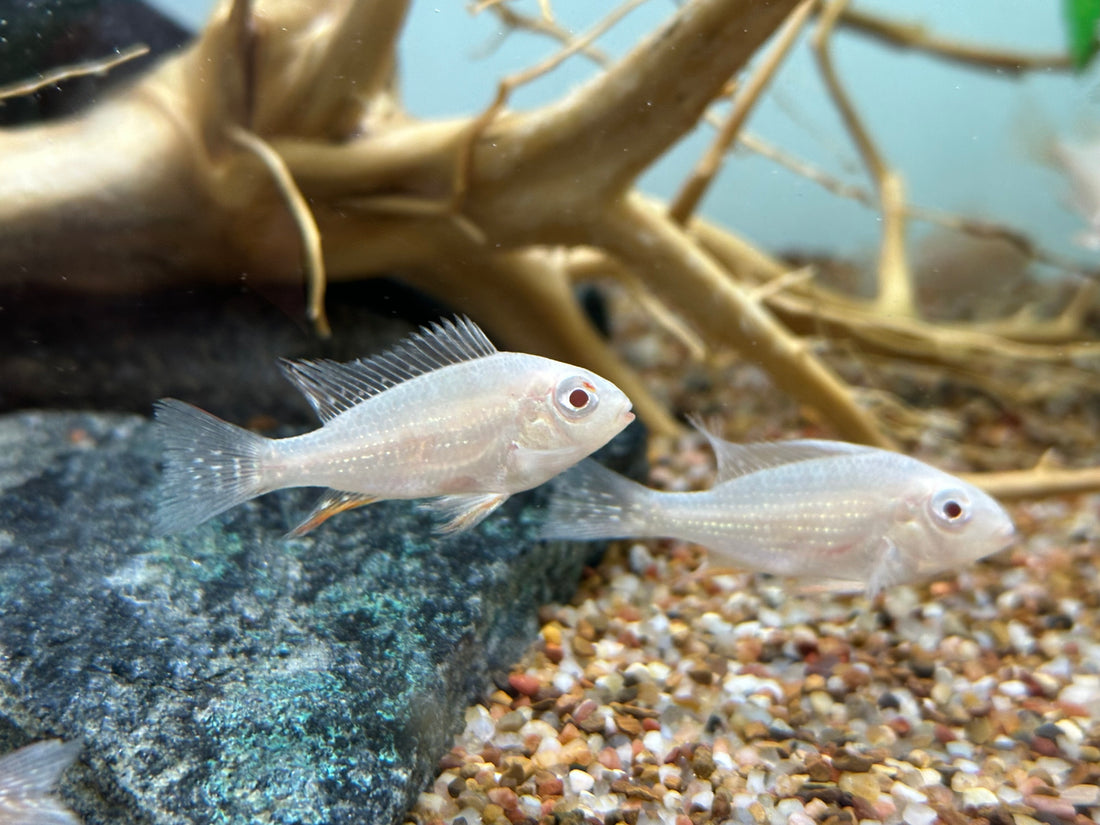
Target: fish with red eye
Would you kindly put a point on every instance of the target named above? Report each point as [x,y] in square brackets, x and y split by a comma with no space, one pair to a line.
[443,415]
[824,510]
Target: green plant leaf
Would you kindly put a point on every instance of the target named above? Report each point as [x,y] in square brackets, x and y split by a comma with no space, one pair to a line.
[1081,19]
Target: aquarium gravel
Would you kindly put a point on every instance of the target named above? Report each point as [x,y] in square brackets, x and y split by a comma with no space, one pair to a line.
[666,692]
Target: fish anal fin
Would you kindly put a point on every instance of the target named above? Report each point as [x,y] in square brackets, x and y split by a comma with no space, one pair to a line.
[331,503]
[464,511]
[332,387]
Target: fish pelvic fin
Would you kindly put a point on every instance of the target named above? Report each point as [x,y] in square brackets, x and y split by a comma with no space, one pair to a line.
[210,466]
[331,503]
[28,783]
[463,511]
[590,501]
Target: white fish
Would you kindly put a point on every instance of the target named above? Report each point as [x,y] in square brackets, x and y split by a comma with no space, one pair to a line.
[822,509]
[28,784]
[443,414]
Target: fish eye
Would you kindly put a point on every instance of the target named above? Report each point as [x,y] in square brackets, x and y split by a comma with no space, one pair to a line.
[576,397]
[950,508]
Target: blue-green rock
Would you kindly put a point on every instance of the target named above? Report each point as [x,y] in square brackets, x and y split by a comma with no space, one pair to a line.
[229,674]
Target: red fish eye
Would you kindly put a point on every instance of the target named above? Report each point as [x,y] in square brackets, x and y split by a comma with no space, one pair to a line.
[576,397]
[952,509]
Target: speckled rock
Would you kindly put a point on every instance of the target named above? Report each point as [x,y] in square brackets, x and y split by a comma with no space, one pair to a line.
[229,674]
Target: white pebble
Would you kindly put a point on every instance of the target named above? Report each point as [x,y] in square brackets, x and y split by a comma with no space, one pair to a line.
[530,805]
[579,781]
[433,803]
[723,761]
[564,682]
[659,671]
[787,808]
[904,793]
[979,797]
[965,765]
[1009,795]
[479,724]
[549,745]
[1084,691]
[1013,687]
[1070,730]
[655,743]
[1020,637]
[702,800]
[917,813]
[539,729]
[665,772]
[1084,795]
[714,624]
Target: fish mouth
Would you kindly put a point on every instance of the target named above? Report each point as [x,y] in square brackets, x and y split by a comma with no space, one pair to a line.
[1006,536]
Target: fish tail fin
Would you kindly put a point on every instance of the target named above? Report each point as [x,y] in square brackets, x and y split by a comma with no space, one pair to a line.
[590,501]
[210,466]
[28,783]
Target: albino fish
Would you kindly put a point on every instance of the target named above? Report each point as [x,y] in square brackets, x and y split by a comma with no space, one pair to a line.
[822,509]
[443,414]
[28,784]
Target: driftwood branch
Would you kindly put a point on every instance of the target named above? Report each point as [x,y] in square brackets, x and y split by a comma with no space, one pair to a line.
[974,55]
[276,146]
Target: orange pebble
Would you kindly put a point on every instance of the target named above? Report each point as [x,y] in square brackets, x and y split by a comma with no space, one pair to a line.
[609,758]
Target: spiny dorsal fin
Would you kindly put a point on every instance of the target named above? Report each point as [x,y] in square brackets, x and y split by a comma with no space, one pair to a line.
[735,460]
[332,387]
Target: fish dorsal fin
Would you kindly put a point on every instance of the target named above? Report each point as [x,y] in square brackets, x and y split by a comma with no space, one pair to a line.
[735,460]
[333,387]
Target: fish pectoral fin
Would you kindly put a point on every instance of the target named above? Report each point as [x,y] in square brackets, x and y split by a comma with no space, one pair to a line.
[331,503]
[541,465]
[464,511]
[891,568]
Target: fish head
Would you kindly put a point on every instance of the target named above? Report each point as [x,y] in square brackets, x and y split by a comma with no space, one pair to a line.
[949,523]
[569,414]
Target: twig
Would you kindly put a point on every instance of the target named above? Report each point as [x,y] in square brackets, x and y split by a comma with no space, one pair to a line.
[630,114]
[693,189]
[895,287]
[587,264]
[99,65]
[571,47]
[914,36]
[643,238]
[540,25]
[907,336]
[977,227]
[313,259]
[1040,482]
